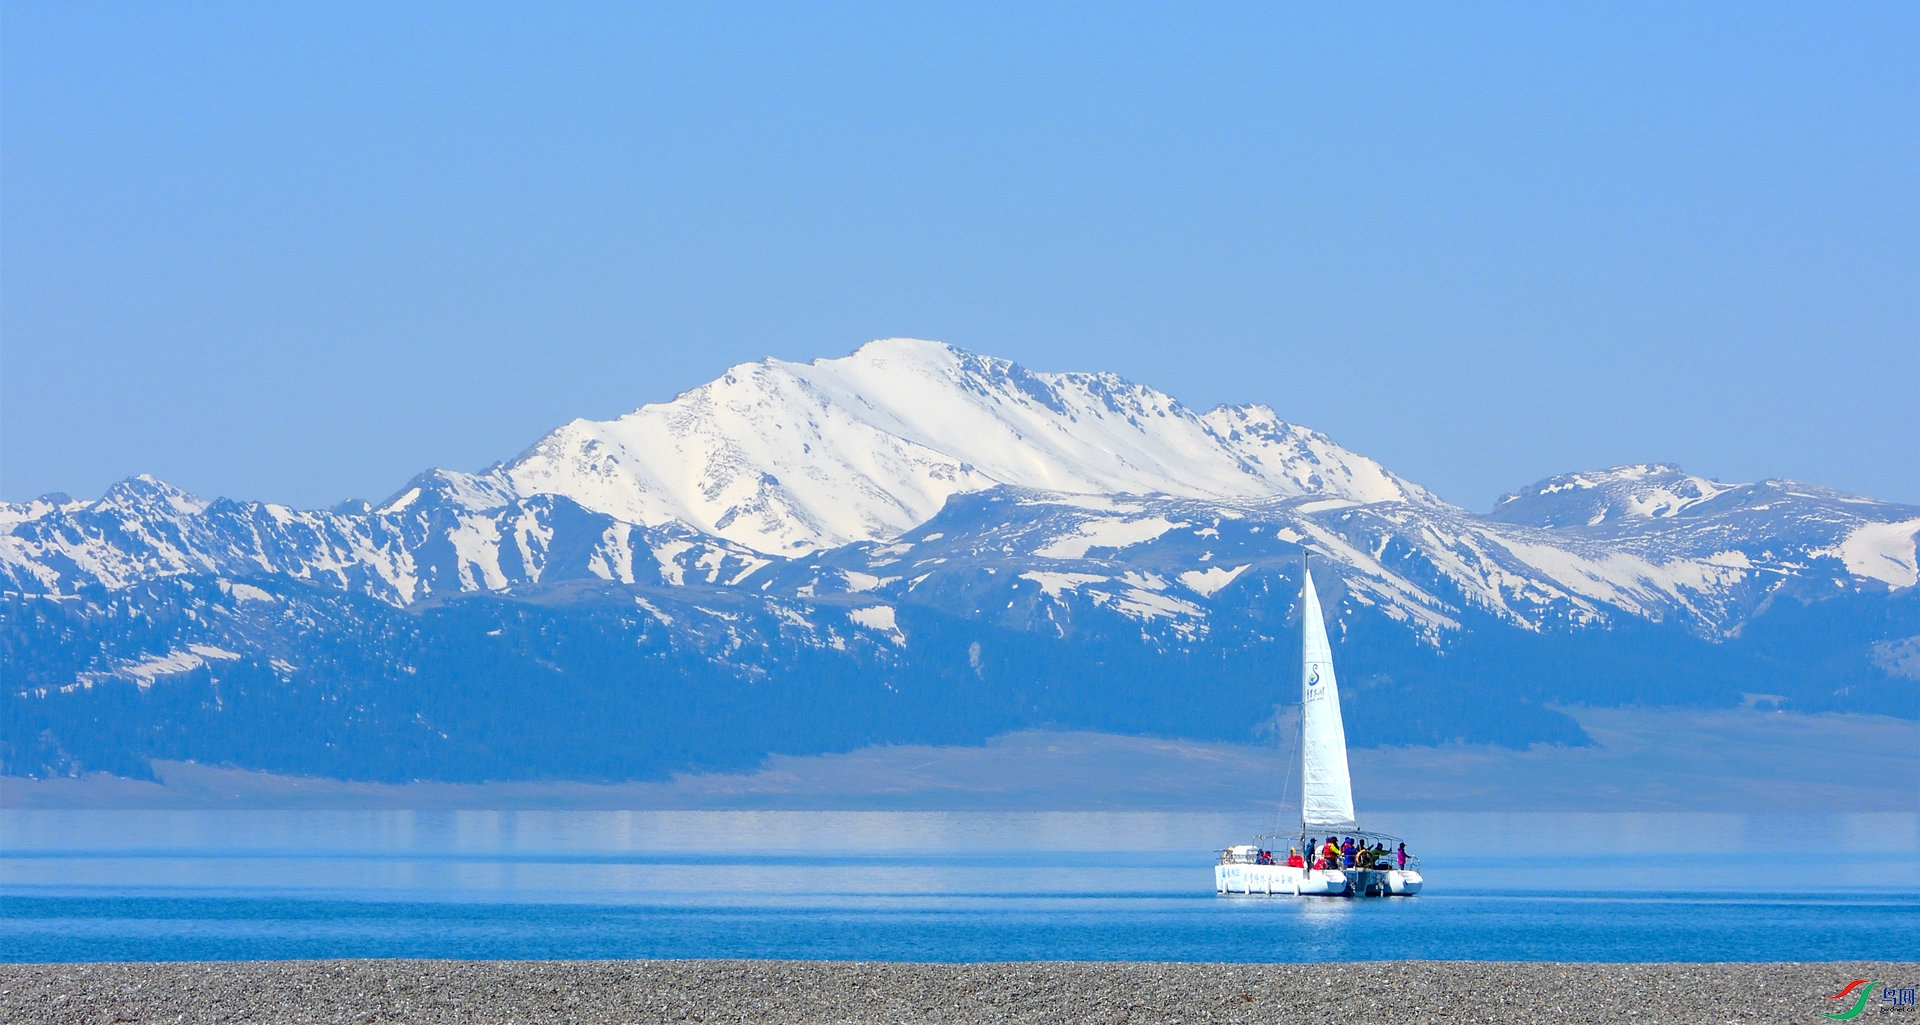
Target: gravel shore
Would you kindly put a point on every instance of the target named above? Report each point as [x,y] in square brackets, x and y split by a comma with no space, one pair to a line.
[825,991]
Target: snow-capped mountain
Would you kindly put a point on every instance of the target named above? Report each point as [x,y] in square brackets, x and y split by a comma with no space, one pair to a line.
[1620,494]
[779,459]
[787,458]
[871,515]
[444,533]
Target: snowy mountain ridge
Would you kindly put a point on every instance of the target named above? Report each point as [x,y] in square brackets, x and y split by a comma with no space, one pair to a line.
[442,534]
[914,544]
[1642,491]
[833,460]
[788,458]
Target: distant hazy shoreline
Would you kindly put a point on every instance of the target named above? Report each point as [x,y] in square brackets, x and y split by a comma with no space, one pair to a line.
[1644,759]
[840,991]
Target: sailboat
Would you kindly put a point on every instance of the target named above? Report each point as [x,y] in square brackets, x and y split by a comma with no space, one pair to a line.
[1326,801]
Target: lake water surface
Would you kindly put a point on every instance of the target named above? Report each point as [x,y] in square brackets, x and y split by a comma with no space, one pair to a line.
[955,886]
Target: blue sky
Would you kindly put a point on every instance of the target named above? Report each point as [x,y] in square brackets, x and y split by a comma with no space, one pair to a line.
[302,252]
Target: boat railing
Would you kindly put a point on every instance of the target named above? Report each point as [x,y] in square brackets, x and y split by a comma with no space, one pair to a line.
[1279,843]
[1232,857]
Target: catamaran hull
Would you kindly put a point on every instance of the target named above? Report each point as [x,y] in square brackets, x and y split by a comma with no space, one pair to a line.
[1279,880]
[1397,882]
[1284,881]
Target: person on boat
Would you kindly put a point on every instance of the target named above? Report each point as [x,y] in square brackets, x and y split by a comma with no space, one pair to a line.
[1331,853]
[1346,853]
[1294,860]
[1400,856]
[1265,858]
[1313,849]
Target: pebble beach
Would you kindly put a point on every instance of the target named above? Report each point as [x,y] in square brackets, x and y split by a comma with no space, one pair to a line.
[375,991]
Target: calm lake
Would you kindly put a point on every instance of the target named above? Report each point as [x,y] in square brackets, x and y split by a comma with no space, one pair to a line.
[948,886]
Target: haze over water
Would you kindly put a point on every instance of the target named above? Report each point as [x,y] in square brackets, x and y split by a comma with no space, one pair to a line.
[950,886]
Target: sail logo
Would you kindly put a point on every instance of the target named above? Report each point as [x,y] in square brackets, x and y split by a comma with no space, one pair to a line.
[1889,997]
[1313,677]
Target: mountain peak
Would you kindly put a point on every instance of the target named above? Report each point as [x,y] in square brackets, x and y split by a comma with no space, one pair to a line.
[145,491]
[916,349]
[488,490]
[789,457]
[1630,491]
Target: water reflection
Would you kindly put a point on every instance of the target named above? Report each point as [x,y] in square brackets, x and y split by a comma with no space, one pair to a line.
[729,857]
[94,885]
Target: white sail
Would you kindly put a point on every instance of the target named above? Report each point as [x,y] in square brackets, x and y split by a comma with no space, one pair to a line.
[1326,790]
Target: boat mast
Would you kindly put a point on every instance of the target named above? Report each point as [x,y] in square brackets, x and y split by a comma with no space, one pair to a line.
[1300,739]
